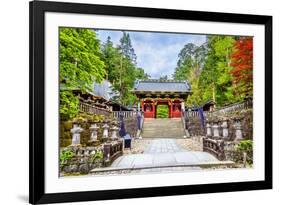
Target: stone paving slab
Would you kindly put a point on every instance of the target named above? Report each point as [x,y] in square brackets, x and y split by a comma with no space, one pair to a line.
[163,159]
[164,154]
[163,146]
[171,167]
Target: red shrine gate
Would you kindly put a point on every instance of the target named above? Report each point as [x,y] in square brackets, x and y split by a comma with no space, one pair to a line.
[152,93]
[149,107]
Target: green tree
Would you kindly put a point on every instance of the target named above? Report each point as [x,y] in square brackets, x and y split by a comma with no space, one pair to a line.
[215,80]
[127,70]
[141,75]
[189,66]
[121,68]
[164,77]
[111,58]
[162,111]
[80,66]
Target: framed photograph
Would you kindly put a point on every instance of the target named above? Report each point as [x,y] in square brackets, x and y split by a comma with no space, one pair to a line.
[130,102]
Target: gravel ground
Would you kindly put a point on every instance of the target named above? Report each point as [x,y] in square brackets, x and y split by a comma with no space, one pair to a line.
[191,144]
[138,146]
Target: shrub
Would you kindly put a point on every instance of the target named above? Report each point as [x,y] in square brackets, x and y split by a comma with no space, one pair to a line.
[245,146]
[162,111]
[65,155]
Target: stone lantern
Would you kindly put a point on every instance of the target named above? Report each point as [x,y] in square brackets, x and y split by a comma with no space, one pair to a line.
[105,130]
[238,129]
[114,130]
[224,126]
[208,129]
[94,133]
[76,130]
[216,133]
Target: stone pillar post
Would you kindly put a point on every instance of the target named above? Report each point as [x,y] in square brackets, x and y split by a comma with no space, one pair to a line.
[138,106]
[208,130]
[76,130]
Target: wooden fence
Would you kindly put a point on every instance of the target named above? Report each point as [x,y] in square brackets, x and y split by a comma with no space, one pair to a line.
[91,109]
[220,111]
[233,107]
[126,114]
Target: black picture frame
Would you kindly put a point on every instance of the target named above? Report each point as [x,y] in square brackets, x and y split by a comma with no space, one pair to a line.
[37,9]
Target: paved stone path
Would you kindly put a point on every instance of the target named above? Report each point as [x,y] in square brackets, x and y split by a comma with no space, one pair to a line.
[163,153]
[163,146]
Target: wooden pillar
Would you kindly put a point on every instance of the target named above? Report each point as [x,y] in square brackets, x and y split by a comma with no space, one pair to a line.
[171,109]
[153,109]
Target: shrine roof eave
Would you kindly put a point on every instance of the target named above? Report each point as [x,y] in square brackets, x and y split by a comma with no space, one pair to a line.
[161,92]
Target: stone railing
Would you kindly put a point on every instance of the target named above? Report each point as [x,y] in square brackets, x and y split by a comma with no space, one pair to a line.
[112,151]
[183,117]
[91,109]
[214,147]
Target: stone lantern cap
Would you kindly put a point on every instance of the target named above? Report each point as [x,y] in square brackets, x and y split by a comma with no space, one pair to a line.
[105,126]
[76,129]
[94,127]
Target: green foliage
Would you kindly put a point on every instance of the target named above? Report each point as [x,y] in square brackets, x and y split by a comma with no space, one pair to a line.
[245,146]
[80,66]
[162,111]
[120,65]
[97,156]
[65,155]
[207,68]
[189,66]
[164,77]
[84,117]
[68,105]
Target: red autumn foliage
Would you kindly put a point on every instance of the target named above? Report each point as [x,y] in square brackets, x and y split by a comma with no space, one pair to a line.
[242,63]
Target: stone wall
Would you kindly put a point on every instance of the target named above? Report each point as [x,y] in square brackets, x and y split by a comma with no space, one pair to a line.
[131,126]
[85,122]
[244,117]
[232,128]
[65,134]
[194,127]
[82,161]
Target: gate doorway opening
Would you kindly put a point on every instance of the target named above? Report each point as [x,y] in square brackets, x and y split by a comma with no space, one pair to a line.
[162,111]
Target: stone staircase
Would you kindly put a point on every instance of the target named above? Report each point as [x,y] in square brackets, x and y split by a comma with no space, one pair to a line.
[162,128]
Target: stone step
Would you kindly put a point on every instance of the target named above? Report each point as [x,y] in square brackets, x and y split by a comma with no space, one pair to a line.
[162,128]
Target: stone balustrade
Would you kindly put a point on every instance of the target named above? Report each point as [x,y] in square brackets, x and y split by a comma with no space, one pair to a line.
[112,151]
[214,147]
